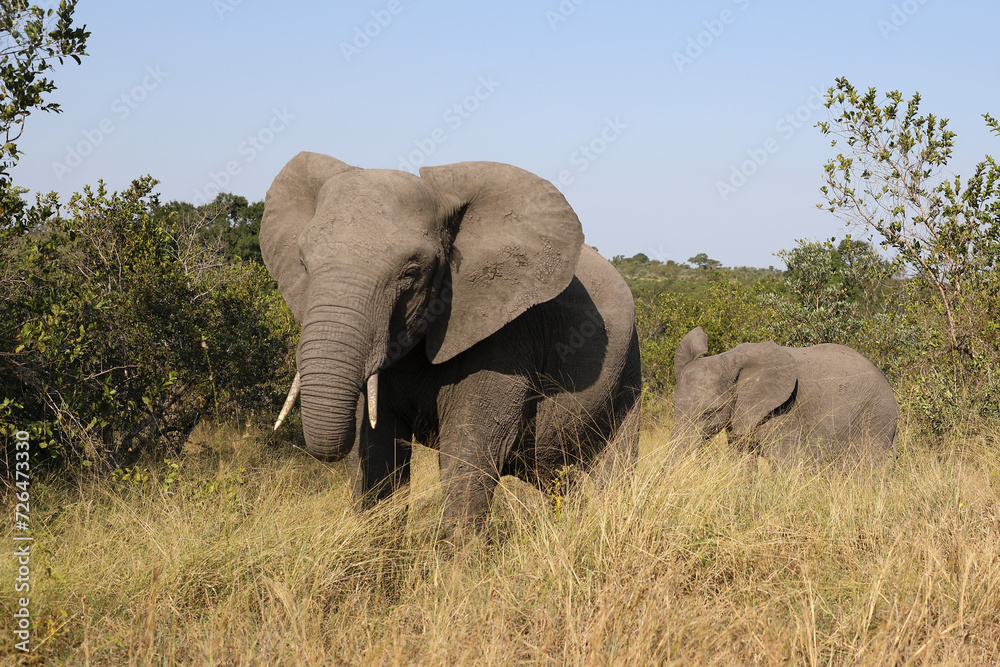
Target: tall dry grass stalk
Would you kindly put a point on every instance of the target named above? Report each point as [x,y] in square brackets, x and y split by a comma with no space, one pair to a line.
[252,555]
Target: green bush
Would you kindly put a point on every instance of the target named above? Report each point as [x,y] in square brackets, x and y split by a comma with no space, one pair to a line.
[121,327]
[826,297]
[826,290]
[730,313]
[890,180]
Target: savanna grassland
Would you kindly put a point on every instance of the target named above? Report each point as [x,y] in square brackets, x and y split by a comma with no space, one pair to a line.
[145,349]
[241,552]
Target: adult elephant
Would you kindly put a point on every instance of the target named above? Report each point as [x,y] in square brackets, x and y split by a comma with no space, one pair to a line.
[465,306]
[825,403]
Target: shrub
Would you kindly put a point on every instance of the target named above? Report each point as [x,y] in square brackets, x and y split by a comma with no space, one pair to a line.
[120,331]
[825,287]
[731,313]
[943,229]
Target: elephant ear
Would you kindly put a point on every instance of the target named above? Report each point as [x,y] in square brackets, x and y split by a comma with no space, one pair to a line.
[692,346]
[288,207]
[514,243]
[767,377]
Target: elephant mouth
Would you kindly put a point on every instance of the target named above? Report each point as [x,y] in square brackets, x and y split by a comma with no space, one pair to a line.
[371,392]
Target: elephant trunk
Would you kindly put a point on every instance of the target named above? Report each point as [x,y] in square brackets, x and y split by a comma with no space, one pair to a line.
[333,358]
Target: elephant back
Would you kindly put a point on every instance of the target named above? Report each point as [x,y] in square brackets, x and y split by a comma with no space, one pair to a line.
[842,390]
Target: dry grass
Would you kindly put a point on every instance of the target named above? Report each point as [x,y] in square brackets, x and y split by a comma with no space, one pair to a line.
[254,556]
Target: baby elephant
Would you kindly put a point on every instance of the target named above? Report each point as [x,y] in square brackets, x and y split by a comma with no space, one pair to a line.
[824,403]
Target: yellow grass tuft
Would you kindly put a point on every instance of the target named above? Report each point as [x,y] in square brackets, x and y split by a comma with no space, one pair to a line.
[252,554]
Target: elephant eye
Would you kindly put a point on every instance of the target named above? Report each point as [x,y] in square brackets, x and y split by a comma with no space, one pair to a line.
[411,272]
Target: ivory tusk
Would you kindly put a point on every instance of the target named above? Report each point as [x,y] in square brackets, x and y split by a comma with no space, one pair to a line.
[373,399]
[293,393]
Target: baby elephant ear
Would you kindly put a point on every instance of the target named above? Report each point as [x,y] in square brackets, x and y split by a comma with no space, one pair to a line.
[767,378]
[515,242]
[288,208]
[692,346]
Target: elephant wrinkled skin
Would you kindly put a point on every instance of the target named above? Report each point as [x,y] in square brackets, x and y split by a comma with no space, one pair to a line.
[826,403]
[465,306]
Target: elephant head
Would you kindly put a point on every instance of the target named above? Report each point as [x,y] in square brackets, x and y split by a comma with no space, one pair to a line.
[737,389]
[375,263]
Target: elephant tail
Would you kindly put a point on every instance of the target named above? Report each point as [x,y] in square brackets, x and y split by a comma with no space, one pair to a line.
[892,442]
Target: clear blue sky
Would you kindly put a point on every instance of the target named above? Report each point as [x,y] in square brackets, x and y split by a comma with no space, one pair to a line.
[669,97]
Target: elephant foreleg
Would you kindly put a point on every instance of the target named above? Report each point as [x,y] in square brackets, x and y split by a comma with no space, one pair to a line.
[475,441]
[470,471]
[380,464]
